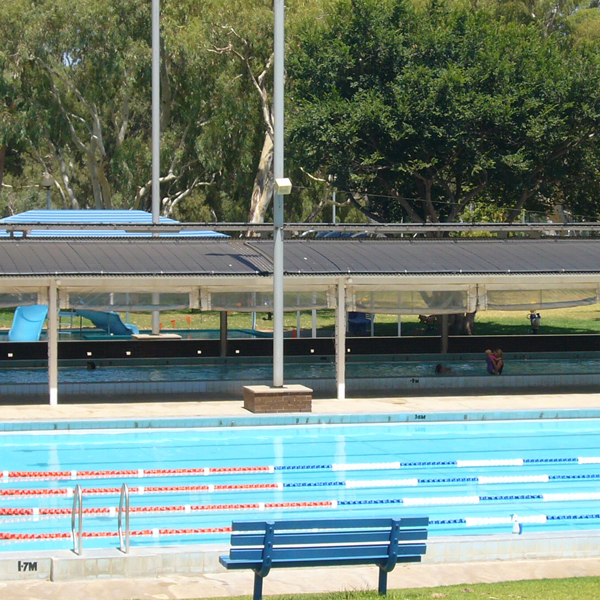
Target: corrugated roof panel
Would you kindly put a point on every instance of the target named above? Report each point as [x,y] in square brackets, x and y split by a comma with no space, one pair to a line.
[442,256]
[182,257]
[104,217]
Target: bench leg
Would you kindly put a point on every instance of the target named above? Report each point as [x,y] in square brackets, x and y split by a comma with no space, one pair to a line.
[382,582]
[258,582]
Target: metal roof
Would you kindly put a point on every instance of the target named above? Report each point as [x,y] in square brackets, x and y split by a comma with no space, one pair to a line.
[194,257]
[94,217]
[426,257]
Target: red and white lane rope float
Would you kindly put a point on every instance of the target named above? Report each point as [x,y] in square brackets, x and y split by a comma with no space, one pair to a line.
[112,511]
[112,534]
[110,474]
[174,489]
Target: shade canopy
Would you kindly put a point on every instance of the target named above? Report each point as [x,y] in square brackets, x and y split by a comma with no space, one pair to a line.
[385,276]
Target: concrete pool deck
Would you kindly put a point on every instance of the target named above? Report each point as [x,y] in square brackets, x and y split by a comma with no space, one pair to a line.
[305,581]
[366,405]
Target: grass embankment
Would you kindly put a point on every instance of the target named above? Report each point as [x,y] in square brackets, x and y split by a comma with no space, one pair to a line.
[580,588]
[578,320]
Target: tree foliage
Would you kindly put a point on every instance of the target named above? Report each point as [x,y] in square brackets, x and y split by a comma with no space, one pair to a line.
[429,108]
[419,109]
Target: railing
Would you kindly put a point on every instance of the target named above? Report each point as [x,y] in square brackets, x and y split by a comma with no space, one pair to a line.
[77,510]
[371,228]
[124,508]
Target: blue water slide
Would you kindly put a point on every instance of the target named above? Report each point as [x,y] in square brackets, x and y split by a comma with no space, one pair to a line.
[109,321]
[27,323]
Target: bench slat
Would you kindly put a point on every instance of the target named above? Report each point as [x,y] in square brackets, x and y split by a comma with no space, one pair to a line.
[330,524]
[328,537]
[278,554]
[307,562]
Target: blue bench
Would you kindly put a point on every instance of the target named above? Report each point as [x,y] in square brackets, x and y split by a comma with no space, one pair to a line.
[265,545]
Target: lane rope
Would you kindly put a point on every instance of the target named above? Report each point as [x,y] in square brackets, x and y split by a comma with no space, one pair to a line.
[333,504]
[279,486]
[205,471]
[468,521]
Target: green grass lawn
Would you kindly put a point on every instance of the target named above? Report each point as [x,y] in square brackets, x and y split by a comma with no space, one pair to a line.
[580,588]
[577,320]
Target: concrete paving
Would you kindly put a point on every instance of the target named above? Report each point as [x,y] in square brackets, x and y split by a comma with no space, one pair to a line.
[228,584]
[298,581]
[365,405]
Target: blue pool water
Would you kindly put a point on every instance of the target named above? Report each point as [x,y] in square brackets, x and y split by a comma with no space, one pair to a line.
[305,370]
[469,478]
[186,334]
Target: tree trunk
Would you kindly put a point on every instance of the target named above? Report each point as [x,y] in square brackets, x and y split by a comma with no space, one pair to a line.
[462,324]
[2,155]
[104,183]
[93,172]
[262,191]
[73,203]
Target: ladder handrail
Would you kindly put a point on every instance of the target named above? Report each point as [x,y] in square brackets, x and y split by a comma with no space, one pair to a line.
[77,509]
[124,501]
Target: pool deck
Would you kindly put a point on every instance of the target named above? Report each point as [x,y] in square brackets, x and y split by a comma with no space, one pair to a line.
[228,584]
[366,405]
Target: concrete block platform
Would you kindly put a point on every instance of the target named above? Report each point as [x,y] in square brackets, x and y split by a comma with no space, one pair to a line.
[285,399]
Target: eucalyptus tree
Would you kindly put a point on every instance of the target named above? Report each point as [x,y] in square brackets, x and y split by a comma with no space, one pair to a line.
[85,62]
[15,102]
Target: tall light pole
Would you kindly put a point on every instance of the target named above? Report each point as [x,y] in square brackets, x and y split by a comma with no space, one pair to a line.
[155,111]
[155,138]
[282,187]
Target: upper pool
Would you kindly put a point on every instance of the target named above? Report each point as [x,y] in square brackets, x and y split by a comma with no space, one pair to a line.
[305,370]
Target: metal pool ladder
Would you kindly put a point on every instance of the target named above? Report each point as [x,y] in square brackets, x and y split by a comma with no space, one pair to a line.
[77,510]
[124,507]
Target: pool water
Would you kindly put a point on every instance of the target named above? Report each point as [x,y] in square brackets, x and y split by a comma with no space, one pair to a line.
[294,371]
[186,334]
[187,485]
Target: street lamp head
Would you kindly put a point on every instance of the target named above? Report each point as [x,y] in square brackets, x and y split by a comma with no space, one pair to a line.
[283,186]
[47,181]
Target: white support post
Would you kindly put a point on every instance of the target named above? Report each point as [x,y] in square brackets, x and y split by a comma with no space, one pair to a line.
[314,316]
[298,324]
[340,341]
[155,314]
[399,325]
[53,343]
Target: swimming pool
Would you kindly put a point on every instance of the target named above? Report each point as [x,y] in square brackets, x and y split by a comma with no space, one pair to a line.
[222,378]
[300,370]
[188,484]
[185,334]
